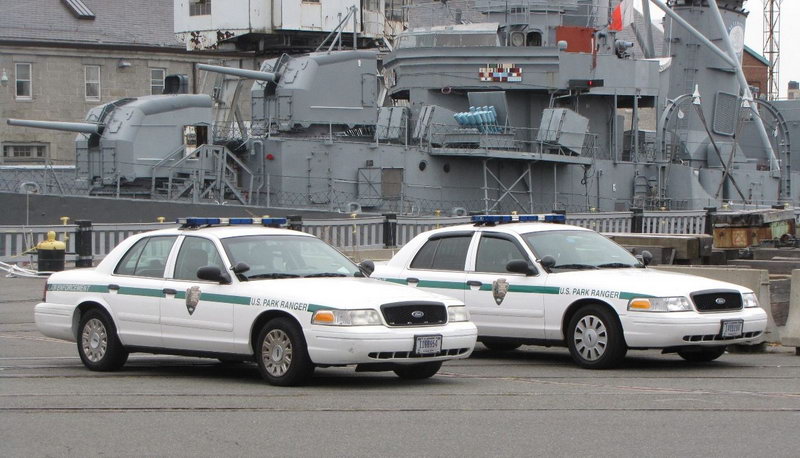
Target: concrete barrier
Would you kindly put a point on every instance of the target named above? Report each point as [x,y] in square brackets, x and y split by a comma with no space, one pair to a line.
[755,279]
[791,334]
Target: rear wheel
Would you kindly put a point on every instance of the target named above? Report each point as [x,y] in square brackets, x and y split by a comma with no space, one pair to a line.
[498,345]
[418,371]
[98,344]
[282,355]
[702,355]
[595,338]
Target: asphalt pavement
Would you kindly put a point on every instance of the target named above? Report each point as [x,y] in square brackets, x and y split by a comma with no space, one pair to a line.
[529,402]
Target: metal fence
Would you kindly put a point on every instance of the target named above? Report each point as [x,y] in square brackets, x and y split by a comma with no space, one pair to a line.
[368,232]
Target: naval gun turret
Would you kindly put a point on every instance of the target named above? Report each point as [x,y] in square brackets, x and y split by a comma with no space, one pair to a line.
[121,143]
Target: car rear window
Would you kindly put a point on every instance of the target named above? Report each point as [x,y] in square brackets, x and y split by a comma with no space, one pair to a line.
[448,253]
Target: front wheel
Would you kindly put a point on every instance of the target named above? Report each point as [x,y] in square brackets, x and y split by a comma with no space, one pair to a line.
[282,355]
[418,371]
[595,338]
[703,354]
[98,344]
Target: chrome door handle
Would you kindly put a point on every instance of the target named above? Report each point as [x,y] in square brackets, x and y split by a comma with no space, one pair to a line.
[474,283]
[169,291]
[412,280]
[113,287]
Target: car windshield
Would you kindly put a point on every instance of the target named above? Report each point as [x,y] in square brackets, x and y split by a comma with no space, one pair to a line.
[287,256]
[574,250]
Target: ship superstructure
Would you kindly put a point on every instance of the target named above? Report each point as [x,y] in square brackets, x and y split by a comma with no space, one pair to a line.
[524,105]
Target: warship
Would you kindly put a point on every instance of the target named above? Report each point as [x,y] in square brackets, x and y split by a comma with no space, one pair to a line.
[473,106]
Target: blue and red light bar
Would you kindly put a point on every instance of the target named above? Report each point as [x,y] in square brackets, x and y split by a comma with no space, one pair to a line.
[194,221]
[502,219]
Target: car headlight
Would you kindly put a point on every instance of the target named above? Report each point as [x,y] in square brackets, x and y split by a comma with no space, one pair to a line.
[457,313]
[660,304]
[750,300]
[367,317]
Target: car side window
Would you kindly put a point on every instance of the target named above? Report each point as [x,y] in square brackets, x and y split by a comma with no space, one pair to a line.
[127,266]
[147,258]
[494,254]
[447,253]
[196,252]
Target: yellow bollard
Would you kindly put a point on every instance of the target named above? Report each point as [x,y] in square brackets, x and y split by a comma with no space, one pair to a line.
[65,221]
[160,219]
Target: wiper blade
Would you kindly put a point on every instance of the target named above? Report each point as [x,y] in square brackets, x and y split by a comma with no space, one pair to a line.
[273,275]
[574,266]
[326,274]
[616,265]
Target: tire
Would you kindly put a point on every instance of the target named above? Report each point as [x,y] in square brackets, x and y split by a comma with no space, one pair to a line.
[499,345]
[702,354]
[98,344]
[595,339]
[282,355]
[418,371]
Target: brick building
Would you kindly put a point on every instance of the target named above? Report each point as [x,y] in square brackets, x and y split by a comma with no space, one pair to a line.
[794,90]
[58,59]
[756,70]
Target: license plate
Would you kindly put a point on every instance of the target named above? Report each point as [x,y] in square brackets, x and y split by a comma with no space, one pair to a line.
[427,345]
[732,328]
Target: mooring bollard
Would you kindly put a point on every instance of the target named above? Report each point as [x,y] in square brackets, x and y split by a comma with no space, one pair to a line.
[83,243]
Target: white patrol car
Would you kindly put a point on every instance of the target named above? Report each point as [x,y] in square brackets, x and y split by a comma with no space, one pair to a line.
[553,284]
[243,292]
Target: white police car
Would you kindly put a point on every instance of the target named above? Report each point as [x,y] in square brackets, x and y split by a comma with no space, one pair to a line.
[531,282]
[234,290]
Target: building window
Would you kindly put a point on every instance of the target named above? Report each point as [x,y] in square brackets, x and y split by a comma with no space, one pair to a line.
[92,77]
[199,7]
[23,76]
[157,80]
[24,152]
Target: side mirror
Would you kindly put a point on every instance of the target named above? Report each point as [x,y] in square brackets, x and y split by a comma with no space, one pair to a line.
[647,257]
[212,273]
[367,267]
[240,268]
[520,266]
[547,261]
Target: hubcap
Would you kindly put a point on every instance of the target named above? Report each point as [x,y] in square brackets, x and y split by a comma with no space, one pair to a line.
[276,353]
[591,338]
[94,340]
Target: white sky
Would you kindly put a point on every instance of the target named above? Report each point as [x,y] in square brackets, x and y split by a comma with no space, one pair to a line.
[754,36]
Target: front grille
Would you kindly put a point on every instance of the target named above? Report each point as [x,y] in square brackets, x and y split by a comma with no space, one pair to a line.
[717,301]
[411,354]
[717,337]
[414,313]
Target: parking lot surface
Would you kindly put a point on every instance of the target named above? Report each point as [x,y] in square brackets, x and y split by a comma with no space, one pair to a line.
[533,401]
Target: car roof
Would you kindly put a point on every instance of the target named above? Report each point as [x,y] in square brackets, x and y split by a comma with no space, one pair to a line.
[512,228]
[222,232]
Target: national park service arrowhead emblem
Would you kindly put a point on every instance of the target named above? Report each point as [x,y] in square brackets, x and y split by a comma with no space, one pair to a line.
[192,298]
[499,290]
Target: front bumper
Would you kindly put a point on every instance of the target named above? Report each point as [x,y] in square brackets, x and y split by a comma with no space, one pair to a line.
[340,345]
[55,320]
[676,329]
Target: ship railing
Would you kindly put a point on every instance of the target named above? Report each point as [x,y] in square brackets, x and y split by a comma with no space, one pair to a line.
[354,232]
[454,12]
[523,139]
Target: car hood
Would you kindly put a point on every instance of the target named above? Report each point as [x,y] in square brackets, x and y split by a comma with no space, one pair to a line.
[633,282]
[340,293]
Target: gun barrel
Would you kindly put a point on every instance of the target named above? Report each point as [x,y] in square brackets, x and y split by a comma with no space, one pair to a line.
[241,72]
[82,127]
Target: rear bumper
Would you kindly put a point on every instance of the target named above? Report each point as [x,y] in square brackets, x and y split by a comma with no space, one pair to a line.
[55,320]
[676,329]
[380,344]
